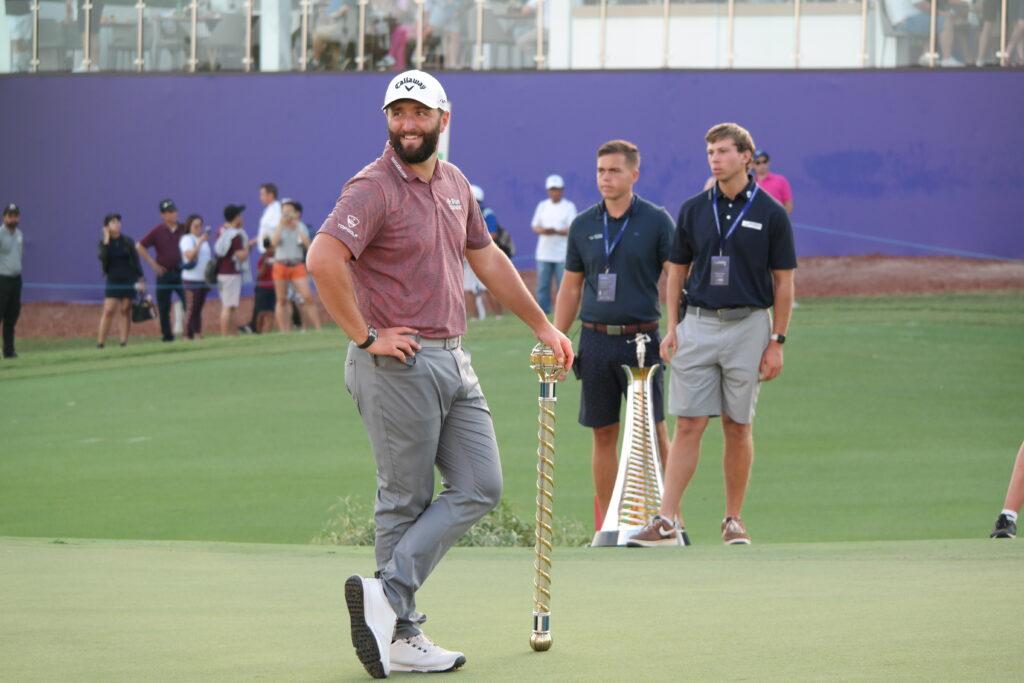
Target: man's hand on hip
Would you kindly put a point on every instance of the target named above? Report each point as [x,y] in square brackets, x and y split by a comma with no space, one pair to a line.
[668,345]
[771,362]
[395,341]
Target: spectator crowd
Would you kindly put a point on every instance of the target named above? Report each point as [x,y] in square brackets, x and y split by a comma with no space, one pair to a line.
[189,259]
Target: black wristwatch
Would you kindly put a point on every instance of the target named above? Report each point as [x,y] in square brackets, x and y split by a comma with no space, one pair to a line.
[372,337]
[781,338]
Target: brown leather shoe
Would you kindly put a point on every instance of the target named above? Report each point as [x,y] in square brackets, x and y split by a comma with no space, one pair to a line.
[733,532]
[659,532]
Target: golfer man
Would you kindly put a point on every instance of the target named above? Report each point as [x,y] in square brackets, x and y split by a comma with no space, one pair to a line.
[734,250]
[388,265]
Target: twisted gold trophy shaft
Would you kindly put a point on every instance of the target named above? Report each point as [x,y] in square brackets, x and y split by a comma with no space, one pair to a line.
[636,496]
[543,362]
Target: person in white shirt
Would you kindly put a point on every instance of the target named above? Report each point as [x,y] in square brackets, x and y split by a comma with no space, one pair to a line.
[195,255]
[268,224]
[271,213]
[551,221]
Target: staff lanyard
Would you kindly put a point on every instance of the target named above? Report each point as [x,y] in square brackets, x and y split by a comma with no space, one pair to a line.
[608,249]
[735,223]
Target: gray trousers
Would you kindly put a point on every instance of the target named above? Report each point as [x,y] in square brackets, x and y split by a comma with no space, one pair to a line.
[432,414]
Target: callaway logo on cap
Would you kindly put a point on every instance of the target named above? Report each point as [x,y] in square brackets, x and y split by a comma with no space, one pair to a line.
[419,86]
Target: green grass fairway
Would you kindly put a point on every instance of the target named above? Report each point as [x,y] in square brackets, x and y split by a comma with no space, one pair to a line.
[132,611]
[894,418]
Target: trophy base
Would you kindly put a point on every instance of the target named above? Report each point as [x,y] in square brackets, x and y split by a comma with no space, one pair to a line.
[611,539]
[619,538]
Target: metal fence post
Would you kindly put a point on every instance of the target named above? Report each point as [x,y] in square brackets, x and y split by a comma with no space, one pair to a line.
[192,61]
[730,24]
[540,57]
[665,13]
[932,54]
[864,33]
[34,62]
[1004,56]
[361,56]
[304,35]
[247,60]
[478,48]
[140,18]
[420,10]
[87,37]
[796,34]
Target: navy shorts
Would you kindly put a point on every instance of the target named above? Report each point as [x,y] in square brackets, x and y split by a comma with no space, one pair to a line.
[264,299]
[601,357]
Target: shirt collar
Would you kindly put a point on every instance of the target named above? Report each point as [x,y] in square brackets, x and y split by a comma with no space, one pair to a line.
[744,194]
[602,210]
[403,169]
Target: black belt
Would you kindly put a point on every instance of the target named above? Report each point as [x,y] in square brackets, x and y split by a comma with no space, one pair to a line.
[722,314]
[291,263]
[621,329]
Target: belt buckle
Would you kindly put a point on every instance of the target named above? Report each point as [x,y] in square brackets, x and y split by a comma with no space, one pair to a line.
[613,329]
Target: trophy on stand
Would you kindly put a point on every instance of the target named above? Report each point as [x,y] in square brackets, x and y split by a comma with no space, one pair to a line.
[639,484]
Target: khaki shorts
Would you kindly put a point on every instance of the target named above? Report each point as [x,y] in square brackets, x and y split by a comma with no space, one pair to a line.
[229,287]
[716,366]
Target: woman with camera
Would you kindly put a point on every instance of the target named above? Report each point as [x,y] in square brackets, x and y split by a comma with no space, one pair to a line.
[195,254]
[120,263]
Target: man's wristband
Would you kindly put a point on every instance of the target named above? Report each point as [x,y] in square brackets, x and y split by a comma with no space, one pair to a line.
[371,337]
[781,338]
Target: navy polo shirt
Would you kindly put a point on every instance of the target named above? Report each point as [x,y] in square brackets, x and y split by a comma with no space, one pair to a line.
[637,261]
[763,242]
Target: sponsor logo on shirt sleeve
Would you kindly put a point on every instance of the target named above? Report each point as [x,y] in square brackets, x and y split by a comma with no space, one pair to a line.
[350,225]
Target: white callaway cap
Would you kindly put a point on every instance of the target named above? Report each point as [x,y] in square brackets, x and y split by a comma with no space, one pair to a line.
[554,182]
[419,86]
[478,192]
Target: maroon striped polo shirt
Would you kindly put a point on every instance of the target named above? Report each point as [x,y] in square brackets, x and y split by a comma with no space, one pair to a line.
[408,238]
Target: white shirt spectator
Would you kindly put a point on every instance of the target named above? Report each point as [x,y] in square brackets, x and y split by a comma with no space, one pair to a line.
[197,274]
[558,216]
[268,221]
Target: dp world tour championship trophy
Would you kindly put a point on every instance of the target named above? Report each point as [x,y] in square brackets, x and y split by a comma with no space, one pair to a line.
[548,369]
[639,484]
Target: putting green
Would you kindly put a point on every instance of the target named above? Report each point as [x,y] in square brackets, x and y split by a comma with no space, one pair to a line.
[111,611]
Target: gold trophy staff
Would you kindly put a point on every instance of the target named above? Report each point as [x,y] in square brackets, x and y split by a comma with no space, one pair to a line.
[549,371]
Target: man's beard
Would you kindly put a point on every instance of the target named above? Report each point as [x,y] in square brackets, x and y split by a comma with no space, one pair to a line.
[417,156]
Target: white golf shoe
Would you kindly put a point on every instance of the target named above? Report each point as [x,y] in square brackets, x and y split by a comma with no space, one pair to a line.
[373,624]
[420,655]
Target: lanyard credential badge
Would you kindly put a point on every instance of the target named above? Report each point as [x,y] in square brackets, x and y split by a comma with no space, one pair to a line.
[609,247]
[606,287]
[720,264]
[719,271]
[722,239]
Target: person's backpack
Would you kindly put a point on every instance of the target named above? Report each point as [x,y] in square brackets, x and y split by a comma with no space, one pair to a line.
[504,241]
[211,271]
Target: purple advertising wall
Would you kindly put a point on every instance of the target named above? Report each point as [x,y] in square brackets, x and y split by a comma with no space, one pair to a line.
[902,162]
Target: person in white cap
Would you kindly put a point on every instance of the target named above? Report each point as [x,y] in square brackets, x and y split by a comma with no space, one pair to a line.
[397,237]
[551,221]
